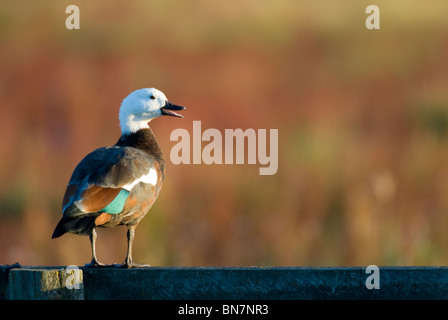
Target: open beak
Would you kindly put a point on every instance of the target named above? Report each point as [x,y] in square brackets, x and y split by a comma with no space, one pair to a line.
[168,110]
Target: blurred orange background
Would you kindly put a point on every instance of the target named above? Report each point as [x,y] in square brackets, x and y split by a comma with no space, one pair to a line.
[362,118]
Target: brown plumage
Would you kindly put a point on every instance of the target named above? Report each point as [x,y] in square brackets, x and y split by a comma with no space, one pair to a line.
[117,185]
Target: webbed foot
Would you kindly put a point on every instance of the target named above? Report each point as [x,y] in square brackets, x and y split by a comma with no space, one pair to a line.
[130,264]
[97,264]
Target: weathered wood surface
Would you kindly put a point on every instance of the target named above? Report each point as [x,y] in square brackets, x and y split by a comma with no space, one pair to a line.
[222,283]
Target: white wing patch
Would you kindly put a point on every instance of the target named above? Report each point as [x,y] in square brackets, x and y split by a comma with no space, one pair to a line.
[150,177]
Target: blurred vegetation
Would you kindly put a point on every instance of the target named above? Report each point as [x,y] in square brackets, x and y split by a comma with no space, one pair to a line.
[362,118]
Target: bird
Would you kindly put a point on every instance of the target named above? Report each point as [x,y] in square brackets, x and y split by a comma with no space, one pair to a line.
[117,185]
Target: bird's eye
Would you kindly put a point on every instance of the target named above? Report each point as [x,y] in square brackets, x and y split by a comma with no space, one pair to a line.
[152,97]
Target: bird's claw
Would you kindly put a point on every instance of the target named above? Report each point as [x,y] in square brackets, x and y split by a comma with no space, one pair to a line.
[129,265]
[97,264]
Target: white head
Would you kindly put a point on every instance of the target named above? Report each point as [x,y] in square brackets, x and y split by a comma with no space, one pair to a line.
[143,105]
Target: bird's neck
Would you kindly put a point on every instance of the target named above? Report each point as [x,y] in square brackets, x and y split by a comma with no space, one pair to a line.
[144,139]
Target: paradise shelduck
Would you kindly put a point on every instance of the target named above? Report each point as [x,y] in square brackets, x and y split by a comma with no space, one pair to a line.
[117,185]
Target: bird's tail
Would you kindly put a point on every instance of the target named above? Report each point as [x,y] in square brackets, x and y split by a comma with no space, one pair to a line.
[79,225]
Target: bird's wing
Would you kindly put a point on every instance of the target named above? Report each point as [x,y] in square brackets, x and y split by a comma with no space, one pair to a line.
[103,179]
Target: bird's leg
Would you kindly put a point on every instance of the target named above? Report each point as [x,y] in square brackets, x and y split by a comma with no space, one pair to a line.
[94,262]
[128,263]
[130,235]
